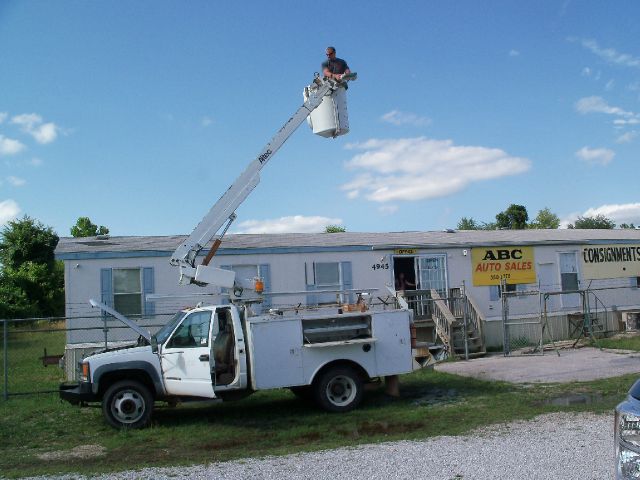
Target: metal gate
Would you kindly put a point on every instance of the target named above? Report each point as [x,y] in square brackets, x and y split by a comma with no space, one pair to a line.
[522,322]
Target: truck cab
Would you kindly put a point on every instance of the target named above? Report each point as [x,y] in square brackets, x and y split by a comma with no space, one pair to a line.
[199,354]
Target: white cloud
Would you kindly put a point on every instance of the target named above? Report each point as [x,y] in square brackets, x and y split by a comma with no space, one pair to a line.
[621,122]
[610,84]
[610,55]
[388,209]
[9,210]
[419,168]
[9,146]
[206,121]
[16,181]
[596,156]
[621,213]
[35,162]
[3,116]
[396,117]
[514,53]
[599,105]
[586,72]
[292,224]
[31,123]
[627,137]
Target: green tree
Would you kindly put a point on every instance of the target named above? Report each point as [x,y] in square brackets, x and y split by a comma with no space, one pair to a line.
[84,227]
[545,219]
[627,226]
[596,222]
[31,280]
[515,217]
[334,229]
[468,224]
[27,240]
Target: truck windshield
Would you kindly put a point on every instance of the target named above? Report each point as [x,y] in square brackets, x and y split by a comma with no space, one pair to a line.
[165,331]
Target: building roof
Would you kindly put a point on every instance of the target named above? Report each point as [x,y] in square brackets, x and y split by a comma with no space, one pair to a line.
[234,244]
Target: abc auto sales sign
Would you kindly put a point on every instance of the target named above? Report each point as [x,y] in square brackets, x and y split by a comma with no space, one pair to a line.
[493,265]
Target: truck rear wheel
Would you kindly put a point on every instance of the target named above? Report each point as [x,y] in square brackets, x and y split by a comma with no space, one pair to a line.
[339,389]
[127,404]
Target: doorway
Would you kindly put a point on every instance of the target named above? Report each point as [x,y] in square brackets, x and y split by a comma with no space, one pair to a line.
[404,273]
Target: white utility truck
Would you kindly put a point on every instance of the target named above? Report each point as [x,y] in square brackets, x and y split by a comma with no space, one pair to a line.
[225,352]
[228,352]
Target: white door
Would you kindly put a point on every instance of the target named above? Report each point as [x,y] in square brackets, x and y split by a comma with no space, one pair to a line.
[569,279]
[432,273]
[186,362]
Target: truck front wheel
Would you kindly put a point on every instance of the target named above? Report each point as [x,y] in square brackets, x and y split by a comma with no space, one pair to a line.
[339,389]
[127,404]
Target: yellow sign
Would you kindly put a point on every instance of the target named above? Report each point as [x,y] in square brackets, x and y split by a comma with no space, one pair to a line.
[405,251]
[493,265]
[610,261]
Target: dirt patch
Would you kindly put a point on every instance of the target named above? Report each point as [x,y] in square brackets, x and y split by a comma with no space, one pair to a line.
[81,452]
[368,429]
[307,438]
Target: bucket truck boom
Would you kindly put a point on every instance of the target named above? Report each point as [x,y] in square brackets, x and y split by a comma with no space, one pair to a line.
[223,211]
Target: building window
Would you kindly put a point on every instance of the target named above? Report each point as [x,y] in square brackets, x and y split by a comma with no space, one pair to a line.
[245,276]
[127,291]
[329,276]
[568,272]
[495,292]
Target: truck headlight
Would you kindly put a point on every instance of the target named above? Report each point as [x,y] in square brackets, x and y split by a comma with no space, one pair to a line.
[627,434]
[85,372]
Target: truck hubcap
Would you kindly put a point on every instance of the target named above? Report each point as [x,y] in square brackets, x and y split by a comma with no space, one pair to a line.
[127,406]
[341,390]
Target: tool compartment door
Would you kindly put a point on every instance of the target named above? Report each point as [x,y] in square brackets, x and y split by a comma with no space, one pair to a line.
[393,346]
[276,358]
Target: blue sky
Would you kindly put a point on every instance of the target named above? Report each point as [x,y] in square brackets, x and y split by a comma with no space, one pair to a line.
[140,114]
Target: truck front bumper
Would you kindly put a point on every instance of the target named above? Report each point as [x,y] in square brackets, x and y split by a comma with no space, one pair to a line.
[76,393]
[627,436]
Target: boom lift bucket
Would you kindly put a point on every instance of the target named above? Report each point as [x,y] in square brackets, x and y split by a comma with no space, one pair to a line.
[330,119]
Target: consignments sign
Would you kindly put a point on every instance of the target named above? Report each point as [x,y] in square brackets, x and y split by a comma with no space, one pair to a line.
[493,265]
[610,261]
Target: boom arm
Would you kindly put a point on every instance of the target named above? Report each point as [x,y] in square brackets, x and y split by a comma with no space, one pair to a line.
[224,209]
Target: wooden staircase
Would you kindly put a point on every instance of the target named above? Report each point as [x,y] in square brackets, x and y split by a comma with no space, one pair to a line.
[445,317]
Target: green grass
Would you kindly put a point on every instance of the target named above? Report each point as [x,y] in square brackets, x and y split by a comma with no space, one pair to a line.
[623,342]
[268,423]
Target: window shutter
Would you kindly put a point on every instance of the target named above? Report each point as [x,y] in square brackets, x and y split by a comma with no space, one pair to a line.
[494,293]
[106,286]
[312,299]
[225,299]
[265,273]
[148,287]
[347,280]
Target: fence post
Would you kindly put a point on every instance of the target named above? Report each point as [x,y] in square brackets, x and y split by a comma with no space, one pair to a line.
[5,344]
[465,317]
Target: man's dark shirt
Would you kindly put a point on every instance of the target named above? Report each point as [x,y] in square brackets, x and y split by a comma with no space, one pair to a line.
[336,66]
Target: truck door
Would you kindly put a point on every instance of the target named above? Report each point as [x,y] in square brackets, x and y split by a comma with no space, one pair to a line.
[186,357]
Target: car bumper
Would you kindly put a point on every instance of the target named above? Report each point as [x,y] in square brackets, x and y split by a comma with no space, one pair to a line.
[76,393]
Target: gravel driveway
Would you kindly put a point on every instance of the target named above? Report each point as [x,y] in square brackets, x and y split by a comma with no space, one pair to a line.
[555,446]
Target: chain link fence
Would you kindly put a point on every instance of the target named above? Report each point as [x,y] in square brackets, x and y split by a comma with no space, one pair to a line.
[40,353]
[534,319]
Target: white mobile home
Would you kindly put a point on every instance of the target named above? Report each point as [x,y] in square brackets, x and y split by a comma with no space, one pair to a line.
[122,271]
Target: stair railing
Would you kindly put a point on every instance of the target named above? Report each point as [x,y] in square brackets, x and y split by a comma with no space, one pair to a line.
[474,317]
[443,320]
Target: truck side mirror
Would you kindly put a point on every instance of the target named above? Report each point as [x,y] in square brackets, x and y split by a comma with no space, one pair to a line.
[154,344]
